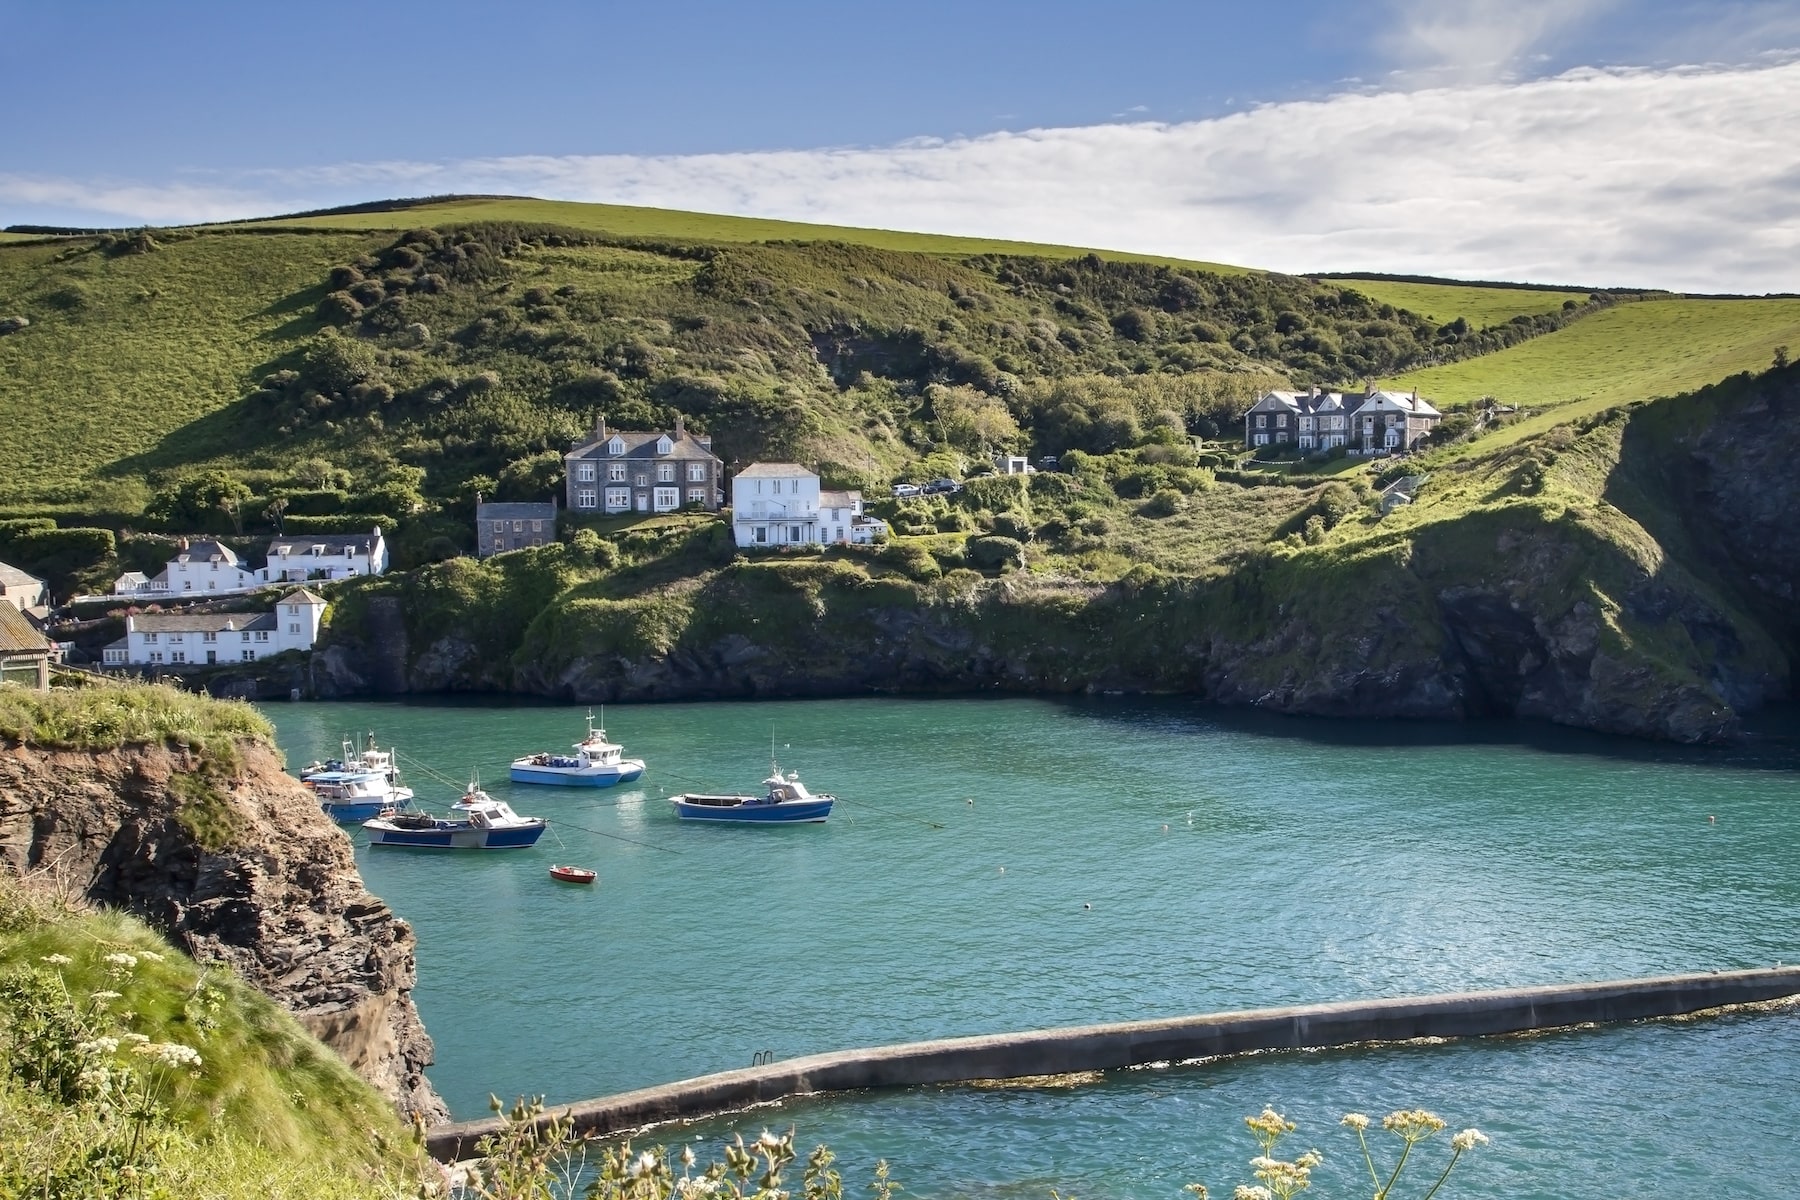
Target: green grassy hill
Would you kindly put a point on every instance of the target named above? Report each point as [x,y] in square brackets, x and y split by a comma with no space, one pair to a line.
[1478,305]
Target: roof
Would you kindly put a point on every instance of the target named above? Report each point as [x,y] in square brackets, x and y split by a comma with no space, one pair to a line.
[200,622]
[778,470]
[529,511]
[303,596]
[839,499]
[642,446]
[205,550]
[17,634]
[10,575]
[330,544]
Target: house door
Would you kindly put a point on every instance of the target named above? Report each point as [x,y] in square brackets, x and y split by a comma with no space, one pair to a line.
[643,501]
[212,656]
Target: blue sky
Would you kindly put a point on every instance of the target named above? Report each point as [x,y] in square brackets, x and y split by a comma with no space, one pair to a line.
[123,113]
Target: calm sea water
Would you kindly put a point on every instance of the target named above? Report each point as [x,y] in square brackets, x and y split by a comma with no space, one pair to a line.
[1000,864]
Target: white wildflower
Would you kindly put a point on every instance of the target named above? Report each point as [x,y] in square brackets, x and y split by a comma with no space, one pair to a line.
[136,1039]
[645,1164]
[1356,1121]
[99,1045]
[152,955]
[687,1156]
[57,960]
[768,1140]
[1252,1192]
[169,1054]
[1413,1124]
[103,997]
[696,1188]
[1270,1123]
[1468,1139]
[125,962]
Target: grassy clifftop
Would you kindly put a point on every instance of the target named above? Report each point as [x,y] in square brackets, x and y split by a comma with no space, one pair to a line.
[126,1069]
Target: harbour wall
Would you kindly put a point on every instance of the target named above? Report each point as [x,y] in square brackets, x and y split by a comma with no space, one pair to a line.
[1135,1043]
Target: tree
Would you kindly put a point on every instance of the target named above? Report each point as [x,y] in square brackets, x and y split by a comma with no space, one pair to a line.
[1781,357]
[277,508]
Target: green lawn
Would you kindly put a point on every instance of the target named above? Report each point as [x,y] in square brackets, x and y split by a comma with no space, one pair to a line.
[1632,352]
[1481,306]
[627,221]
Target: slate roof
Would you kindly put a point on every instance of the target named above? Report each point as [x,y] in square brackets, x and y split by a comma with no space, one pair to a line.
[302,596]
[11,575]
[201,622]
[779,470]
[531,511]
[206,550]
[641,447]
[329,545]
[1337,402]
[18,635]
[839,499]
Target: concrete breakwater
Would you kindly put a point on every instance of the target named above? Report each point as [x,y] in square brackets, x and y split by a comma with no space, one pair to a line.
[1136,1043]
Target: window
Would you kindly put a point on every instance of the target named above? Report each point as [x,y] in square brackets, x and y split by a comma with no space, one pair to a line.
[696,496]
[156,656]
[209,637]
[176,637]
[643,479]
[294,628]
[762,533]
[187,585]
[246,636]
[665,472]
[151,638]
[537,527]
[178,656]
[518,527]
[585,498]
[667,499]
[584,472]
[696,472]
[215,566]
[1281,420]
[793,533]
[1306,422]
[618,499]
[249,656]
[616,446]
[1262,420]
[615,472]
[664,445]
[262,635]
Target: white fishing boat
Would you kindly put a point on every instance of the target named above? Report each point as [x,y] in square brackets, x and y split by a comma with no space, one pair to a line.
[477,822]
[785,800]
[595,763]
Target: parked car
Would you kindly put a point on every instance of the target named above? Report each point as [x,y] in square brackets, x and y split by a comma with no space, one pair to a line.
[942,487]
[904,491]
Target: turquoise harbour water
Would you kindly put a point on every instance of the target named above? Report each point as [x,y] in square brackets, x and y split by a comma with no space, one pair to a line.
[1159,858]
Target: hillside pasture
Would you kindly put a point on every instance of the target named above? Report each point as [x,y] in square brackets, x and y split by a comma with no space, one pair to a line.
[1479,306]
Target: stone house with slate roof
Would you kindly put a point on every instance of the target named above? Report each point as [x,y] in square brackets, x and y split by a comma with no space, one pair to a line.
[23,591]
[620,472]
[24,652]
[1370,423]
[207,639]
[501,527]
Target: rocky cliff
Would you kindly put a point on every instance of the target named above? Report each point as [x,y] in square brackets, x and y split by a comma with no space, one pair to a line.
[1634,574]
[241,868]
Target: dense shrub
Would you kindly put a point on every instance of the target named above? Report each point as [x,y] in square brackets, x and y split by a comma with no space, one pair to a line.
[1165,503]
[993,552]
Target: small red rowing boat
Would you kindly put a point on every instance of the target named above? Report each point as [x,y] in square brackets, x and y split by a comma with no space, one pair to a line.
[572,874]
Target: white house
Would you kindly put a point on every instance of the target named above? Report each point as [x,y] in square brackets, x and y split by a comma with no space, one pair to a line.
[201,639]
[781,504]
[1316,420]
[204,567]
[325,556]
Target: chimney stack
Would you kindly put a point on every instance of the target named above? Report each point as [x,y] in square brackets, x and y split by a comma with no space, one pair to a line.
[680,427]
[1368,389]
[599,429]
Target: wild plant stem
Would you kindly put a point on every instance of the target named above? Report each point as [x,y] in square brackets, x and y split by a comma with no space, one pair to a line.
[1383,1193]
[1454,1155]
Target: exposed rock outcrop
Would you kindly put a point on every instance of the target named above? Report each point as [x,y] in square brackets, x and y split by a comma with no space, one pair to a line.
[278,897]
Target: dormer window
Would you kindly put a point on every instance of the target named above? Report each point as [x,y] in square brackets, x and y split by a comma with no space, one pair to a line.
[616,446]
[664,445]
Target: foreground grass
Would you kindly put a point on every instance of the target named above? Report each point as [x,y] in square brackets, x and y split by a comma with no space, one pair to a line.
[1633,352]
[267,1110]
[106,718]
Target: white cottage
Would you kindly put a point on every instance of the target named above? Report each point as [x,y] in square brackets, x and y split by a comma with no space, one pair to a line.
[781,504]
[325,556]
[205,639]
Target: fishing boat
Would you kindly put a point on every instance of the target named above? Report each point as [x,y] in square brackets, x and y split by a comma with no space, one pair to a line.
[595,763]
[477,822]
[354,796]
[359,758]
[785,800]
[565,874]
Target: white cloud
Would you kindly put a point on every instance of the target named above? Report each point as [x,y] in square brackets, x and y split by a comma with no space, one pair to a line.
[1480,40]
[1687,179]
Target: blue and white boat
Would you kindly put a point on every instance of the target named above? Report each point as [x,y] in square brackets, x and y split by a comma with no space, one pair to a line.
[353,796]
[357,759]
[477,822]
[785,800]
[595,763]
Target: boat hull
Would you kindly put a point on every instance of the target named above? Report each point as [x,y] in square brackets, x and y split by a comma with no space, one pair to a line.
[606,776]
[750,811]
[454,836]
[355,812]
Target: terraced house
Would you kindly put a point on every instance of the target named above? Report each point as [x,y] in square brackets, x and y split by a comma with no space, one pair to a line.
[620,472]
[1373,422]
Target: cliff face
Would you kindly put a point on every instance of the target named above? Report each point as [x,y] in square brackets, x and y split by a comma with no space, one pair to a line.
[1636,576]
[250,873]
